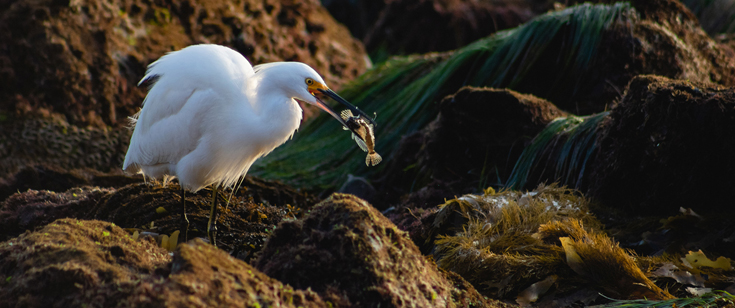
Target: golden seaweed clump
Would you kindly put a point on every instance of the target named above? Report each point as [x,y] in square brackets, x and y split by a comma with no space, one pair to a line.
[505,242]
[600,261]
[490,239]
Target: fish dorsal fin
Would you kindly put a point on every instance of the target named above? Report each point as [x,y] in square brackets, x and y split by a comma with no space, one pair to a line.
[346,114]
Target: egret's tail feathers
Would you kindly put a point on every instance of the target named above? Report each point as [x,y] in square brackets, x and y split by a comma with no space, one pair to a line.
[132,121]
[130,168]
[373,159]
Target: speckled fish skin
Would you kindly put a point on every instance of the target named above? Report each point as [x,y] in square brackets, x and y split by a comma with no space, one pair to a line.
[365,136]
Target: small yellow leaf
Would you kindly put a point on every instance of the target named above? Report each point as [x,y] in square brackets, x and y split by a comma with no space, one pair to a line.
[164,241]
[698,259]
[573,259]
[173,240]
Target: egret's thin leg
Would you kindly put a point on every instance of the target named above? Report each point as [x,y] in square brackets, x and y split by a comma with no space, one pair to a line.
[184,220]
[212,225]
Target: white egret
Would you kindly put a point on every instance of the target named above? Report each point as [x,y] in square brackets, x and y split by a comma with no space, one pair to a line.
[209,115]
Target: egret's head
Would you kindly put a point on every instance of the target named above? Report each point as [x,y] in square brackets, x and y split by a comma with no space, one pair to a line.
[304,84]
[317,91]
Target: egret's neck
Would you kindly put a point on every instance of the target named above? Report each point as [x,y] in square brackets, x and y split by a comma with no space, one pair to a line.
[278,115]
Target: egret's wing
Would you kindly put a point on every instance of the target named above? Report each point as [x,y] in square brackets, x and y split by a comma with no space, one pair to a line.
[186,85]
[177,75]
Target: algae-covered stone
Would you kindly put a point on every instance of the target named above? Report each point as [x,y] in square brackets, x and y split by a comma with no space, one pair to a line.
[475,140]
[204,276]
[667,144]
[72,262]
[353,256]
[83,59]
[87,263]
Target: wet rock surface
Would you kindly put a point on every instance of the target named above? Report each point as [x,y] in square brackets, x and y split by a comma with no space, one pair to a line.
[667,144]
[447,24]
[474,141]
[659,184]
[83,59]
[202,275]
[663,39]
[244,224]
[52,146]
[72,263]
[377,263]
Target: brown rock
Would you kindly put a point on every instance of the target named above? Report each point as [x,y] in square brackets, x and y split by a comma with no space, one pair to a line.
[83,59]
[243,225]
[59,146]
[476,139]
[421,26]
[34,209]
[204,276]
[70,263]
[73,263]
[353,256]
[667,144]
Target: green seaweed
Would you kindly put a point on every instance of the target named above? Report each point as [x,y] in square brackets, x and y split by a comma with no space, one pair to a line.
[404,91]
[713,299]
[567,143]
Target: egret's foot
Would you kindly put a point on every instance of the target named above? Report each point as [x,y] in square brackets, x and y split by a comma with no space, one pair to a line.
[212,233]
[184,220]
[184,227]
[212,224]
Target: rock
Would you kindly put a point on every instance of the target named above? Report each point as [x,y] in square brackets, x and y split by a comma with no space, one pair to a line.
[663,39]
[475,140]
[71,263]
[204,276]
[667,144]
[243,225]
[34,209]
[359,187]
[54,146]
[672,44]
[357,15]
[421,26]
[353,256]
[83,59]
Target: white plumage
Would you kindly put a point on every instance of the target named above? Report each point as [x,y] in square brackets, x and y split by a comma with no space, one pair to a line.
[209,114]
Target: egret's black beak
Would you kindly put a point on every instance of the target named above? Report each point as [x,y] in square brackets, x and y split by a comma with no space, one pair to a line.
[355,110]
[353,128]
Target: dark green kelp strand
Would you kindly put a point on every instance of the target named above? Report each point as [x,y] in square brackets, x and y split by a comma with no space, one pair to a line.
[559,153]
[404,91]
[715,298]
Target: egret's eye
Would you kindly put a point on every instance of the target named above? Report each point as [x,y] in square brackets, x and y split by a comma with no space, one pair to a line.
[309,81]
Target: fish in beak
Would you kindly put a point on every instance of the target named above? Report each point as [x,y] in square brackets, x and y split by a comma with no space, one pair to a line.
[322,90]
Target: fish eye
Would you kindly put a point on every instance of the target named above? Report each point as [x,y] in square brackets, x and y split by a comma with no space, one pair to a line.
[309,81]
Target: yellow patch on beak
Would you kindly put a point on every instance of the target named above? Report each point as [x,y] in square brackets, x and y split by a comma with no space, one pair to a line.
[315,86]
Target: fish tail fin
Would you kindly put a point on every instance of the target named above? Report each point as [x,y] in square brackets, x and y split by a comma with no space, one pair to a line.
[373,159]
